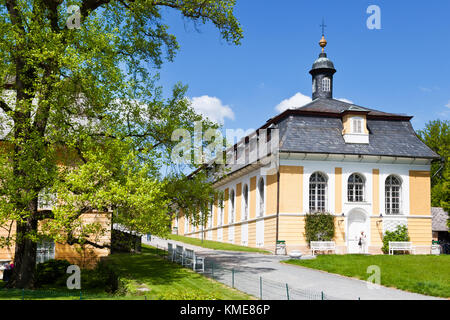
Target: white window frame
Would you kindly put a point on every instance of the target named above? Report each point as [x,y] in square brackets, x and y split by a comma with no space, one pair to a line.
[232,210]
[316,192]
[357,123]
[45,251]
[388,199]
[261,202]
[326,84]
[245,203]
[353,185]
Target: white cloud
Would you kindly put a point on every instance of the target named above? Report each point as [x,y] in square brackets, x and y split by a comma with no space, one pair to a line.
[296,101]
[448,104]
[299,100]
[345,100]
[212,108]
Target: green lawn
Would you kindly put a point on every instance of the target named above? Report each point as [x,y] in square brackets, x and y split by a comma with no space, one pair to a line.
[428,275]
[146,276]
[214,244]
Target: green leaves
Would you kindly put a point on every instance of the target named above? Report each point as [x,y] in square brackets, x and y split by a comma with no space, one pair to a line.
[319,227]
[399,234]
[436,136]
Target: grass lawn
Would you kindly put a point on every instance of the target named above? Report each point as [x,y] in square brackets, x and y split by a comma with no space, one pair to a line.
[147,276]
[428,274]
[214,244]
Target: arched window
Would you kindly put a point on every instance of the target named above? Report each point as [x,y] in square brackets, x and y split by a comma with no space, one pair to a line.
[326,84]
[245,196]
[314,86]
[317,192]
[232,206]
[355,188]
[392,193]
[261,197]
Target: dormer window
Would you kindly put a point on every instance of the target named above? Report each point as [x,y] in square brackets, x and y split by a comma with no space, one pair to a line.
[326,84]
[357,124]
[355,128]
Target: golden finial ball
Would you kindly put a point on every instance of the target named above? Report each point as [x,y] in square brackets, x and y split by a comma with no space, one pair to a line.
[323,43]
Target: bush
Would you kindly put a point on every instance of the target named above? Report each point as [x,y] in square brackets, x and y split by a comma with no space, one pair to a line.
[102,277]
[319,227]
[399,234]
[52,272]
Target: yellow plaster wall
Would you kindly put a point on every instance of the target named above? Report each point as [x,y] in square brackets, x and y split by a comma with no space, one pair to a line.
[346,123]
[225,234]
[419,193]
[84,256]
[292,230]
[181,218]
[375,191]
[339,231]
[291,189]
[271,195]
[420,231]
[270,226]
[7,230]
[376,232]
[216,202]
[237,234]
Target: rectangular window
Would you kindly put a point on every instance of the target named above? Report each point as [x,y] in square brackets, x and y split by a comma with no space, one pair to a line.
[357,126]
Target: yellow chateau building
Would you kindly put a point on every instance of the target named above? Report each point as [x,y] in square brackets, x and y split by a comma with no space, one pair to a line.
[366,167]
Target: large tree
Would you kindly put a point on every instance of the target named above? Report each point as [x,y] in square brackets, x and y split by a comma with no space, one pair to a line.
[436,135]
[83,118]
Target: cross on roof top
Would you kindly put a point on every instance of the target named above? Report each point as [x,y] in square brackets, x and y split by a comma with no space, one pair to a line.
[323,25]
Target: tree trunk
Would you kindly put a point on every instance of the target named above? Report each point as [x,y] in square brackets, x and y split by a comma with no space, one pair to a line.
[25,256]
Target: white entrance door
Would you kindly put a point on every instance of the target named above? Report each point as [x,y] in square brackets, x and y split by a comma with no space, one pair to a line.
[357,222]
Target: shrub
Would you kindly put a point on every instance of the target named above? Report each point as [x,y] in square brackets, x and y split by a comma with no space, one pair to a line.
[319,227]
[102,277]
[52,272]
[399,234]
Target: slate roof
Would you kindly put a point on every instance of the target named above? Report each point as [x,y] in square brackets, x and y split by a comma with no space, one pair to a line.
[337,106]
[439,222]
[317,128]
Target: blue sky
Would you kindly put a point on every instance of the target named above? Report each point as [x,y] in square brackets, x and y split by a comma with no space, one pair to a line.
[402,68]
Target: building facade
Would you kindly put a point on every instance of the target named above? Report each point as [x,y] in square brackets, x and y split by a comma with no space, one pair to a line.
[366,167]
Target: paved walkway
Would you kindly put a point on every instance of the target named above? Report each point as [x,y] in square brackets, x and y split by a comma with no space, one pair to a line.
[258,274]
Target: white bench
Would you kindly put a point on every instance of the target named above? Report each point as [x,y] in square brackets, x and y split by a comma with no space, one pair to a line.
[179,254]
[401,246]
[322,246]
[191,260]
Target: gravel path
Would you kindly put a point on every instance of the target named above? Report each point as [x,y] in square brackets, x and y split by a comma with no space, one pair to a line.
[264,276]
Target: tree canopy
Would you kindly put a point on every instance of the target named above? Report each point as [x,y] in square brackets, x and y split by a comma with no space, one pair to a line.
[436,135]
[83,117]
